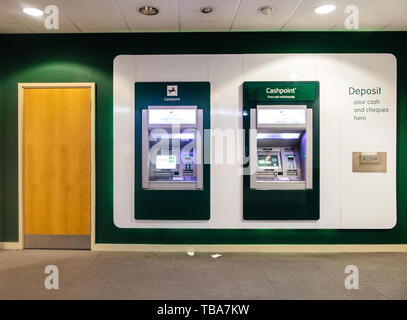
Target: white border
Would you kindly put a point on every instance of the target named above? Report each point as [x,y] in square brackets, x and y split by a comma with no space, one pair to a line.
[226,74]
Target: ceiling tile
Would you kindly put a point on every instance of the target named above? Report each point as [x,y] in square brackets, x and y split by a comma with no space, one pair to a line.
[376,14]
[22,21]
[249,17]
[397,25]
[185,15]
[166,20]
[6,18]
[93,15]
[13,28]
[33,24]
[305,19]
[221,19]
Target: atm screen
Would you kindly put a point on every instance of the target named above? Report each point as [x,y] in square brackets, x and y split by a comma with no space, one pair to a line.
[281,116]
[166,162]
[268,161]
[172,116]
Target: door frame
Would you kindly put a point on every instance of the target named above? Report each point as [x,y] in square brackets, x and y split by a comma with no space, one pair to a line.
[21,87]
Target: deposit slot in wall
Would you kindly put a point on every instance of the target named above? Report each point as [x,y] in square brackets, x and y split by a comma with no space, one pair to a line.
[172,148]
[281,147]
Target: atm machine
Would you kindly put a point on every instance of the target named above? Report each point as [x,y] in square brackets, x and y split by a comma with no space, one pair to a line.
[281,147]
[172,148]
[281,151]
[171,179]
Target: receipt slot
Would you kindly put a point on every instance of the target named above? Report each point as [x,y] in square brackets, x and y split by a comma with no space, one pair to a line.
[172,148]
[281,147]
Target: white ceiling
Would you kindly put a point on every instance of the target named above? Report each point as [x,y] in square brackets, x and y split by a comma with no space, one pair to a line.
[184,15]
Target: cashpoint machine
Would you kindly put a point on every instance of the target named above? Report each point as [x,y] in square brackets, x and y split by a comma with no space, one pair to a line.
[172,148]
[281,147]
[172,182]
[281,123]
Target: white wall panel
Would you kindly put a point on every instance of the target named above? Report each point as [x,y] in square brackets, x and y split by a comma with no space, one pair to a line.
[226,77]
[279,67]
[172,68]
[368,199]
[347,200]
[124,76]
[327,67]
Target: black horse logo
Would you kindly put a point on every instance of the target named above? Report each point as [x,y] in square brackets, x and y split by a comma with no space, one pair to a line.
[172,90]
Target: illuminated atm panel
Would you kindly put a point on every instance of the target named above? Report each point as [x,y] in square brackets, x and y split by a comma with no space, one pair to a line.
[281,147]
[172,148]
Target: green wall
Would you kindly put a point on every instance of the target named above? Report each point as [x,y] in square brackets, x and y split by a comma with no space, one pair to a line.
[89,58]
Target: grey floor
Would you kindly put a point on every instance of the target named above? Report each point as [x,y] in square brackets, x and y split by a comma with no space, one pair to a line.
[128,275]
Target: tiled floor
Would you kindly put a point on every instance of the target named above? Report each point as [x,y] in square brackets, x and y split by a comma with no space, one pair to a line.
[128,275]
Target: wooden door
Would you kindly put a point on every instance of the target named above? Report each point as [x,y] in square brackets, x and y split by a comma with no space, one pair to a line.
[57,167]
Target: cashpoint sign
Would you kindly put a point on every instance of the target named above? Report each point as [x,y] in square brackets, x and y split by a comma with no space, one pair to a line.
[281,92]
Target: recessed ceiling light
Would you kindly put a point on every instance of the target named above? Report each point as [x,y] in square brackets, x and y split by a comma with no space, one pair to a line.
[148,10]
[207,10]
[324,9]
[33,12]
[267,10]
